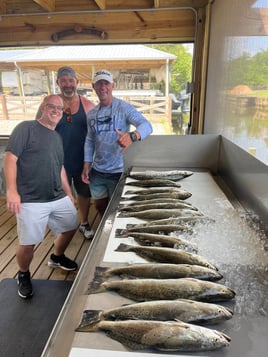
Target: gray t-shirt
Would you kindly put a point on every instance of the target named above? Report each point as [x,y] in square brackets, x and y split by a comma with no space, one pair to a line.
[40,159]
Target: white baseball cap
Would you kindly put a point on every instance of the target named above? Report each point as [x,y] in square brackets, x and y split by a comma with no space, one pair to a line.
[103,74]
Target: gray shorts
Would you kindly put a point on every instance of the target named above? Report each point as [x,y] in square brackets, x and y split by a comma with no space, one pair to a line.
[102,185]
[32,221]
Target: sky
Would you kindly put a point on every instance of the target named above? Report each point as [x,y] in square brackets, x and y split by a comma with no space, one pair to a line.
[260,4]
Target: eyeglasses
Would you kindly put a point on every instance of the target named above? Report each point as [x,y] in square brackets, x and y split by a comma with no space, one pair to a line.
[68,113]
[52,106]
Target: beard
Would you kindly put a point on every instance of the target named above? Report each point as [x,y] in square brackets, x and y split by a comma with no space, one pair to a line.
[70,92]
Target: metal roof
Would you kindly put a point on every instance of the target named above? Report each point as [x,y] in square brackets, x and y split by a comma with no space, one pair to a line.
[11,55]
[86,53]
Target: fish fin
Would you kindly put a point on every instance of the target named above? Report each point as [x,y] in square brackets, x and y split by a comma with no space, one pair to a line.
[121,233]
[146,242]
[89,321]
[129,277]
[178,178]
[192,248]
[128,343]
[122,248]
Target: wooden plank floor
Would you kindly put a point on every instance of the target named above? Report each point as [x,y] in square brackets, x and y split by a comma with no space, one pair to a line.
[39,268]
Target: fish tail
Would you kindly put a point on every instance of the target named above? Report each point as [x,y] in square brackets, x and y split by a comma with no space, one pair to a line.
[131,192]
[121,233]
[89,321]
[122,248]
[129,225]
[101,272]
[125,198]
[123,214]
[95,286]
[128,171]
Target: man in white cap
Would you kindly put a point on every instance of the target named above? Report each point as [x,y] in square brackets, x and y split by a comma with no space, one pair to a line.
[108,137]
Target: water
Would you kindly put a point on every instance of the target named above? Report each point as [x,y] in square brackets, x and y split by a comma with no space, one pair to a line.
[246,127]
[248,130]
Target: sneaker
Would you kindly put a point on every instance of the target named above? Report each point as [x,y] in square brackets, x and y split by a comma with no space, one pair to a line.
[86,230]
[25,289]
[62,262]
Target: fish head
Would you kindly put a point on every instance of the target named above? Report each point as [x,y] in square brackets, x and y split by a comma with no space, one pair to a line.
[219,340]
[227,293]
[213,340]
[224,312]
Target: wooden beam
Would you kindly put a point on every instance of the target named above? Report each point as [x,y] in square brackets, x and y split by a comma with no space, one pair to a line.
[3,7]
[156,3]
[167,26]
[48,5]
[101,4]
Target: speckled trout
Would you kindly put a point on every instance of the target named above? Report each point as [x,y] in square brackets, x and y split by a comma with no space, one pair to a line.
[180,194]
[182,220]
[190,311]
[162,240]
[153,182]
[158,271]
[163,336]
[166,255]
[170,175]
[155,213]
[150,190]
[164,289]
[158,205]
[161,228]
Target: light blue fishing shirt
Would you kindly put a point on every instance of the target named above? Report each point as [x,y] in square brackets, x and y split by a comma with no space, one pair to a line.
[101,147]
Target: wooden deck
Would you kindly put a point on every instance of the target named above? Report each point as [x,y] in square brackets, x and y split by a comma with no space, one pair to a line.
[39,268]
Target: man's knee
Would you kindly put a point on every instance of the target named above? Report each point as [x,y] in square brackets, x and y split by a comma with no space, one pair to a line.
[101,205]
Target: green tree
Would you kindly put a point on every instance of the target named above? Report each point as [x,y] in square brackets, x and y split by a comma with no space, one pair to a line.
[180,69]
[248,70]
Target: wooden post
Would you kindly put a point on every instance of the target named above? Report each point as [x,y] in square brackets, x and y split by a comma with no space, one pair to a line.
[4,106]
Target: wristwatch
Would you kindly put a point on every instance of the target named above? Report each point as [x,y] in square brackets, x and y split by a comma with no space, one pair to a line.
[133,136]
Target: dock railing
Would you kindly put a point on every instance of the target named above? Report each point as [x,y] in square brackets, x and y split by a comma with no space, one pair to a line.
[24,108]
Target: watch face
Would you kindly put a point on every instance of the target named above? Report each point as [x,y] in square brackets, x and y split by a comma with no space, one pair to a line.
[133,136]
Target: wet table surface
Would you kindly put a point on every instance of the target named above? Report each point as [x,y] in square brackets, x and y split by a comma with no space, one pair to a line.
[230,242]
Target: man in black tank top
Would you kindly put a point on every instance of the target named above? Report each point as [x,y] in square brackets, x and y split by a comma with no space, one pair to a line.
[73,129]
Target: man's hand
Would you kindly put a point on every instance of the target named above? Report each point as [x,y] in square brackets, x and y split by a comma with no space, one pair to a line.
[124,140]
[85,173]
[13,203]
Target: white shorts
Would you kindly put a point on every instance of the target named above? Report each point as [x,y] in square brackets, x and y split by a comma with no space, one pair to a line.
[32,221]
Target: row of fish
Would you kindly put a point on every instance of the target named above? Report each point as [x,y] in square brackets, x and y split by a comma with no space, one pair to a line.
[176,291]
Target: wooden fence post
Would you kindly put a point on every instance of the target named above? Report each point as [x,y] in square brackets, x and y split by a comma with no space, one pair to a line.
[4,106]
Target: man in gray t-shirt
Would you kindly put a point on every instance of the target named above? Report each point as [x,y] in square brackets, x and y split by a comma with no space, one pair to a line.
[38,192]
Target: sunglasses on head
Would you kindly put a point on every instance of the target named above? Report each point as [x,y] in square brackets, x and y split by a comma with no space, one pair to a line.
[68,113]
